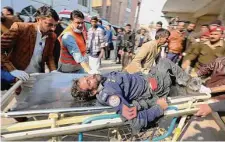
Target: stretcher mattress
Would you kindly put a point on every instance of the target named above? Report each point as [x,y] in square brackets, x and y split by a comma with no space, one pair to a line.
[49,91]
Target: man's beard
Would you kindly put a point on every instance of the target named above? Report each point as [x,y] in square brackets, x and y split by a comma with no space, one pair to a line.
[189,30]
[213,42]
[98,79]
[95,26]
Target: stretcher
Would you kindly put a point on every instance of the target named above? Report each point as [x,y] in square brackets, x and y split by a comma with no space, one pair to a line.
[53,113]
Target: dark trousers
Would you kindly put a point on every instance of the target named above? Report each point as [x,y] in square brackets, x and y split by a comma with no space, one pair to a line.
[173,57]
[107,52]
[126,59]
[167,74]
[116,53]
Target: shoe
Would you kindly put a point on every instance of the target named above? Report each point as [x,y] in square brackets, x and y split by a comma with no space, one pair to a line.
[118,62]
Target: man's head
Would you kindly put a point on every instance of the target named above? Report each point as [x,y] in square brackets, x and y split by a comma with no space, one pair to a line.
[191,27]
[143,31]
[158,25]
[181,26]
[162,36]
[204,28]
[47,19]
[100,22]
[215,35]
[86,86]
[120,30]
[77,19]
[128,28]
[108,27]
[7,11]
[215,24]
[94,22]
[204,37]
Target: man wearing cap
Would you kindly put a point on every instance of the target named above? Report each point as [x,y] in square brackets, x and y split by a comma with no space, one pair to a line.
[215,24]
[208,51]
[135,96]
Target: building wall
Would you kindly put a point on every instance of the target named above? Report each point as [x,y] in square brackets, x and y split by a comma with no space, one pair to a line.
[118,12]
[206,19]
[58,5]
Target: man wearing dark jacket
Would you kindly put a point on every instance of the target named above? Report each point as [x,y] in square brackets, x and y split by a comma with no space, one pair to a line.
[129,40]
[134,96]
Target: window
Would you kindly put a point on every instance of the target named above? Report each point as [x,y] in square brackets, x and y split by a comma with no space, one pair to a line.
[83,2]
[129,4]
[126,17]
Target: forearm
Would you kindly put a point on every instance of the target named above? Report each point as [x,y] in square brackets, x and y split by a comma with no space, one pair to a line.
[51,63]
[7,76]
[218,89]
[206,70]
[102,39]
[218,107]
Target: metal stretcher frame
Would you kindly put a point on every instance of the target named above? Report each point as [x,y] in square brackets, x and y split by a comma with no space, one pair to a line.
[11,132]
[9,95]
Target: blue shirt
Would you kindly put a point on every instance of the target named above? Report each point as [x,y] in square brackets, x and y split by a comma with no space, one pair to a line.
[70,43]
[6,76]
[108,36]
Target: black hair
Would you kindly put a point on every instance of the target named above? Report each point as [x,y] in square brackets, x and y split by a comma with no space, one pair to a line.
[10,9]
[191,23]
[162,33]
[205,25]
[94,18]
[100,21]
[122,29]
[78,94]
[129,25]
[109,26]
[47,11]
[159,23]
[76,14]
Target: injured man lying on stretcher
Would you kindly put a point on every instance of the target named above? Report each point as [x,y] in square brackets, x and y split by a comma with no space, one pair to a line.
[139,98]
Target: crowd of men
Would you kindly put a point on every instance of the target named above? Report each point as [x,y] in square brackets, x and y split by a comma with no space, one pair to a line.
[151,61]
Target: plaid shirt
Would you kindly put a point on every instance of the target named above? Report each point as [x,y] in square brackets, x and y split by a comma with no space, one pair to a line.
[95,41]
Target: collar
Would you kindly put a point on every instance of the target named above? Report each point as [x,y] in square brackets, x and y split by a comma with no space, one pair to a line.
[155,43]
[101,86]
[213,46]
[39,32]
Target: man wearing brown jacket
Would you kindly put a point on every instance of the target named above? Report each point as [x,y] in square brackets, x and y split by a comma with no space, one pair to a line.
[175,43]
[147,54]
[30,45]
